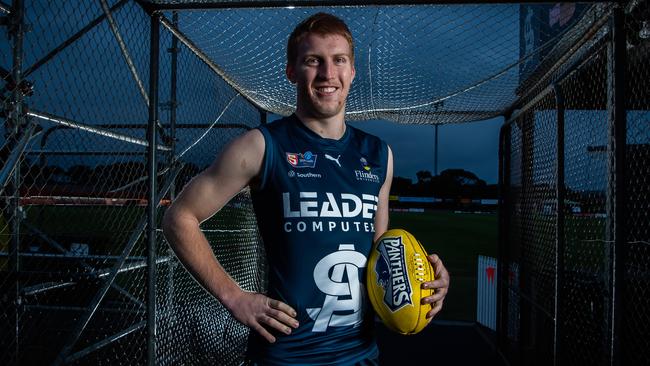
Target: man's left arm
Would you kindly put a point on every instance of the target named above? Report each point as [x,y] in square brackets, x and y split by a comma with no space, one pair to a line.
[440,285]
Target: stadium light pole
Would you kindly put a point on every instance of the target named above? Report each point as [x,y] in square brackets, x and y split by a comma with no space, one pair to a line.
[435,151]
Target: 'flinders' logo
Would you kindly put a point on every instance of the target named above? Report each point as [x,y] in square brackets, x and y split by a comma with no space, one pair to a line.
[392,274]
[366,174]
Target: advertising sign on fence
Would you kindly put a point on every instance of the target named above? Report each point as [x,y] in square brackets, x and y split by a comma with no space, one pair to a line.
[486,296]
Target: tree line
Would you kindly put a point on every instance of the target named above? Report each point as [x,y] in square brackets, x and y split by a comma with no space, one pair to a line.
[449,184]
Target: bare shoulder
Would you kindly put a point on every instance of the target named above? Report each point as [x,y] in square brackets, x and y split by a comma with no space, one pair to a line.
[243,155]
[237,166]
[250,140]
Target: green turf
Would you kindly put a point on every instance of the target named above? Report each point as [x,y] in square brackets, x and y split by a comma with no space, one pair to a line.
[458,239]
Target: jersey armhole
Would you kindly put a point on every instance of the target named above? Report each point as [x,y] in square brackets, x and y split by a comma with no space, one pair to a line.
[267,164]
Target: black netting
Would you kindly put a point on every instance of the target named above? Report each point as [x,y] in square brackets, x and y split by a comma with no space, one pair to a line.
[584,289]
[80,275]
[580,241]
[73,254]
[637,264]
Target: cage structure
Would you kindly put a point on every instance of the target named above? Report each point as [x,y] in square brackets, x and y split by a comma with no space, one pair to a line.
[110,107]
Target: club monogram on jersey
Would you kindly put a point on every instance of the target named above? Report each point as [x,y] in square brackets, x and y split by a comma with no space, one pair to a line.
[343,304]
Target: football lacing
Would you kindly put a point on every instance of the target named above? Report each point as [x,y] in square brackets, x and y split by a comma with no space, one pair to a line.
[419,270]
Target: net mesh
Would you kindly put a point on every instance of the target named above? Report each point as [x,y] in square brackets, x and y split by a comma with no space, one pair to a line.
[83,189]
[73,254]
[414,64]
[637,205]
[575,251]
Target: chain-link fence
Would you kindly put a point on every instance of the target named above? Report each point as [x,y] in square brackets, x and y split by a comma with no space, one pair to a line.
[74,247]
[85,274]
[575,230]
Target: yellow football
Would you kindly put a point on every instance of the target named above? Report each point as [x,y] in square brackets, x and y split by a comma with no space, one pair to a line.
[397,267]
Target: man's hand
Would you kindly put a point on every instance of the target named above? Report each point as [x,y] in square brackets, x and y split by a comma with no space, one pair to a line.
[262,313]
[440,286]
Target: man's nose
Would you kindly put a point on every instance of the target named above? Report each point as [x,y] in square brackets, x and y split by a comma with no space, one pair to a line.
[326,70]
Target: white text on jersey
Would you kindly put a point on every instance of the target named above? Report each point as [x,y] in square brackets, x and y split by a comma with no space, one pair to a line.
[346,205]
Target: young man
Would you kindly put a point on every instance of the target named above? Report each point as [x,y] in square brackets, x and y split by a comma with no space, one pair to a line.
[320,192]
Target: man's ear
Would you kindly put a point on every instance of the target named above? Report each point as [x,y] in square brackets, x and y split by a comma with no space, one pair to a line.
[354,72]
[291,75]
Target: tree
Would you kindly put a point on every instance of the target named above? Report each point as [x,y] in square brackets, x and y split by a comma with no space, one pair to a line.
[424,177]
[456,183]
[80,174]
[401,186]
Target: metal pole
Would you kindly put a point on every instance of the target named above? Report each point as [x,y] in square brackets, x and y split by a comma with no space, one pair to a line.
[204,57]
[12,162]
[616,195]
[56,50]
[505,211]
[559,233]
[237,4]
[501,242]
[526,286]
[171,157]
[106,341]
[17,122]
[90,128]
[118,267]
[5,7]
[125,53]
[152,204]
[173,103]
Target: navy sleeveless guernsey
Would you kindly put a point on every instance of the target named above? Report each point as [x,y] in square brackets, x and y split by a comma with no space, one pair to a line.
[315,208]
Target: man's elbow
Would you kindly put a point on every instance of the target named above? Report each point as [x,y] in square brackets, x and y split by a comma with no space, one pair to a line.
[170,225]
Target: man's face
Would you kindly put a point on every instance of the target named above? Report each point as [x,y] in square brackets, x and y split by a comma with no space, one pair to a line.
[322,72]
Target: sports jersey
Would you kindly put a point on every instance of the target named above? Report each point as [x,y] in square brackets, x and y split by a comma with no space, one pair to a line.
[315,208]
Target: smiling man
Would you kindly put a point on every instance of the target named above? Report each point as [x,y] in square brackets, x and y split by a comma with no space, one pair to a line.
[320,192]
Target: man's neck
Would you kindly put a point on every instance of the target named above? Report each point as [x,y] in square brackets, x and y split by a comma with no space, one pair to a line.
[330,128]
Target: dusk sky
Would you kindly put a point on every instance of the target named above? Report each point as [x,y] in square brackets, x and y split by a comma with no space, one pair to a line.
[471,146]
[89,82]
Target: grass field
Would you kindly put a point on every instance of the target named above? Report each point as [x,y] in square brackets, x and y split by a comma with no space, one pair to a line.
[458,239]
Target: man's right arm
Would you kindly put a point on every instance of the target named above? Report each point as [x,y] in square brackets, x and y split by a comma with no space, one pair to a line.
[235,168]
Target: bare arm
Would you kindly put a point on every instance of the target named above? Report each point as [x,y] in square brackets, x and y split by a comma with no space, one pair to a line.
[381,216]
[235,168]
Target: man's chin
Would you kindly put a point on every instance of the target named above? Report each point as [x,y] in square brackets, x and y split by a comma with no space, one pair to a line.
[326,112]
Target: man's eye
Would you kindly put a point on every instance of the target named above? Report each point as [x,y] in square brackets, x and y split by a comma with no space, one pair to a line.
[311,61]
[340,60]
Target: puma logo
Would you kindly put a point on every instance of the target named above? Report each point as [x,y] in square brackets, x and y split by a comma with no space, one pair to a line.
[336,160]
